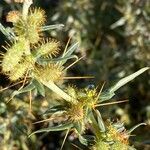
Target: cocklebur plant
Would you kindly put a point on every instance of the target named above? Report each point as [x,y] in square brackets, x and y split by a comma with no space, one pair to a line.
[112,135]
[80,114]
[30,56]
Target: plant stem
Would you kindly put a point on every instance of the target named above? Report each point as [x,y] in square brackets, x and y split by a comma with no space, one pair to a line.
[51,85]
[26,5]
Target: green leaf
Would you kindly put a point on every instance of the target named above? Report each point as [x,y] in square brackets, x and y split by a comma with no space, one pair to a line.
[66,58]
[52,86]
[100,121]
[127,79]
[54,109]
[19,129]
[119,23]
[95,126]
[28,88]
[70,50]
[79,127]
[39,87]
[7,32]
[54,128]
[45,61]
[82,140]
[106,95]
[52,27]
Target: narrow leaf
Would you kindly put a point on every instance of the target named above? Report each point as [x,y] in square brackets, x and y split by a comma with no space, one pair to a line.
[70,50]
[100,121]
[127,79]
[54,109]
[54,128]
[119,23]
[43,61]
[82,140]
[52,27]
[39,87]
[7,32]
[28,88]
[52,86]
[106,95]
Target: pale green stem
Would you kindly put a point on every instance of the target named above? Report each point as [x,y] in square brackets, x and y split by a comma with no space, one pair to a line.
[51,85]
[26,5]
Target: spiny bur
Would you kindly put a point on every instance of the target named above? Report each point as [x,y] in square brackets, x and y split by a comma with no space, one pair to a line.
[31,27]
[13,16]
[115,138]
[25,49]
[50,72]
[47,47]
[13,54]
[36,17]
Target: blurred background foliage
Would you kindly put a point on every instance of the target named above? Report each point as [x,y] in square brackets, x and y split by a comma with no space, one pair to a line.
[114,37]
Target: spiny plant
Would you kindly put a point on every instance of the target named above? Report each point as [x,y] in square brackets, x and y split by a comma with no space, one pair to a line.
[112,135]
[31,57]
[80,113]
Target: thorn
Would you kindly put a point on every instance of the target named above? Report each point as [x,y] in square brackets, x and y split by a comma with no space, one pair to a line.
[11,86]
[111,103]
[74,63]
[7,43]
[24,81]
[5,48]
[76,146]
[66,46]
[65,139]
[100,91]
[42,121]
[84,77]
[2,54]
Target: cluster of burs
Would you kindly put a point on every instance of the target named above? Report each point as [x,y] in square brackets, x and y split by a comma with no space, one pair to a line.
[33,57]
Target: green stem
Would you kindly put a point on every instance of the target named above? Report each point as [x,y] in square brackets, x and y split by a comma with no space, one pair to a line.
[26,5]
[51,85]
[95,126]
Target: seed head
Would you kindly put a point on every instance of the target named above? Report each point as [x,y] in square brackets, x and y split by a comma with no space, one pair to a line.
[76,112]
[36,17]
[13,55]
[13,16]
[20,70]
[117,136]
[48,47]
[26,30]
[51,72]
